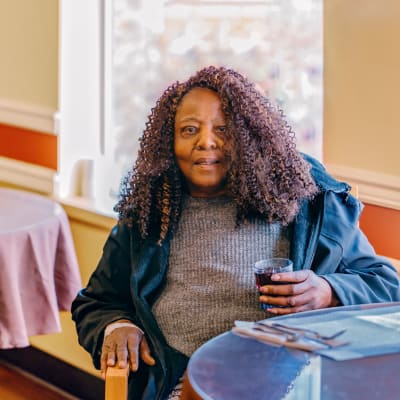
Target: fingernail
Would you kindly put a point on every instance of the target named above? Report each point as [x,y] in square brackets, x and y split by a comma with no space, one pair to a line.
[275,277]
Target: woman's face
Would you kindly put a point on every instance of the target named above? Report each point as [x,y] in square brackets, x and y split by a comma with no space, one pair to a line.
[200,129]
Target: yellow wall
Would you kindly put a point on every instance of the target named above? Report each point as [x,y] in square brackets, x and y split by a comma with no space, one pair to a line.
[29,51]
[362,84]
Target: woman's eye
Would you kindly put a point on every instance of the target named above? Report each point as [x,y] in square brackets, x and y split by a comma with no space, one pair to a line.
[189,130]
[221,129]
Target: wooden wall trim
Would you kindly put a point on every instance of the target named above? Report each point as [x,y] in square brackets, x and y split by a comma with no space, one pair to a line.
[374,188]
[78,210]
[29,116]
[27,176]
[43,180]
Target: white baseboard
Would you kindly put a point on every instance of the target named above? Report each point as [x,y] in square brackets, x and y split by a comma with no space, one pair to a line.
[30,116]
[373,187]
[27,176]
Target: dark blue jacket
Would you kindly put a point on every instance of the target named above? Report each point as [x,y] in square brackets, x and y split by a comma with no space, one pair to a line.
[128,279]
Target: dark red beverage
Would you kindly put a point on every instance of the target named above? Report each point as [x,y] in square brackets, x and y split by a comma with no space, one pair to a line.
[264,269]
[264,278]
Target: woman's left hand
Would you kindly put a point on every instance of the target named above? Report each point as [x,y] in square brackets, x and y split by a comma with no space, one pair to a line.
[303,290]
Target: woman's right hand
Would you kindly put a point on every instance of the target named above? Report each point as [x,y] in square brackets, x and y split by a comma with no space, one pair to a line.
[124,345]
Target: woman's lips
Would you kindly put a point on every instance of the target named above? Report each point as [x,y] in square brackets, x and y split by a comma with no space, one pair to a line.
[206,161]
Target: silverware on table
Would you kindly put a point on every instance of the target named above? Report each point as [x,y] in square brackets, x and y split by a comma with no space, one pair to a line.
[293,334]
[309,331]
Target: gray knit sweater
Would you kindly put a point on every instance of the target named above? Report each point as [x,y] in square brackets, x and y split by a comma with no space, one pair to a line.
[210,282]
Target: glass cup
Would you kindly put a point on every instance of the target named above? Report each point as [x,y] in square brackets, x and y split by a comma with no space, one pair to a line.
[263,269]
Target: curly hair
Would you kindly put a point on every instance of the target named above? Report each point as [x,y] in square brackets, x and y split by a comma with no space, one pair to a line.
[268,177]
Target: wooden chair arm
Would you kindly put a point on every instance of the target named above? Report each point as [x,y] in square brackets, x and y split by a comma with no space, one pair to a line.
[116,386]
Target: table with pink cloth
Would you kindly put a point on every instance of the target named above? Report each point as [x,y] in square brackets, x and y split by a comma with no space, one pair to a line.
[39,269]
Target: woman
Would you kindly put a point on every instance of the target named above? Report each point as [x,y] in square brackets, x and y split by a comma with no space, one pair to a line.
[218,184]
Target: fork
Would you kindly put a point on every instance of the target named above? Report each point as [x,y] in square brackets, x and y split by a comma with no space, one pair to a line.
[289,336]
[305,331]
[296,334]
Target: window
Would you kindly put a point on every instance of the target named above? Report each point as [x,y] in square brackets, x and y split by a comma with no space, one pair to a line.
[132,50]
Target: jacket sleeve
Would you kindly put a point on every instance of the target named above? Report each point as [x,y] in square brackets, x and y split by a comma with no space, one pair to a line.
[106,297]
[348,261]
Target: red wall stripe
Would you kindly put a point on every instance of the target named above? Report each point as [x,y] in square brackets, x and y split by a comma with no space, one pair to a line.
[29,146]
[382,227]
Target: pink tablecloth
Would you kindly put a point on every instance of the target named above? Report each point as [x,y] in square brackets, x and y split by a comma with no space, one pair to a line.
[39,270]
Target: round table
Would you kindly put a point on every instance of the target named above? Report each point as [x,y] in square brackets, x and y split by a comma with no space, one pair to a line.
[39,269]
[230,367]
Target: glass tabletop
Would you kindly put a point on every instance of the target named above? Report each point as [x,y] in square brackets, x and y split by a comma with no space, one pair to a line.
[232,367]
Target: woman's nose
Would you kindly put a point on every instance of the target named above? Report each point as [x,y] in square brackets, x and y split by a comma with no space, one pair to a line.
[207,139]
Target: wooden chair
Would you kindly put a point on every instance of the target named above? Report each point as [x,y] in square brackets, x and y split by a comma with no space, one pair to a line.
[116,387]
